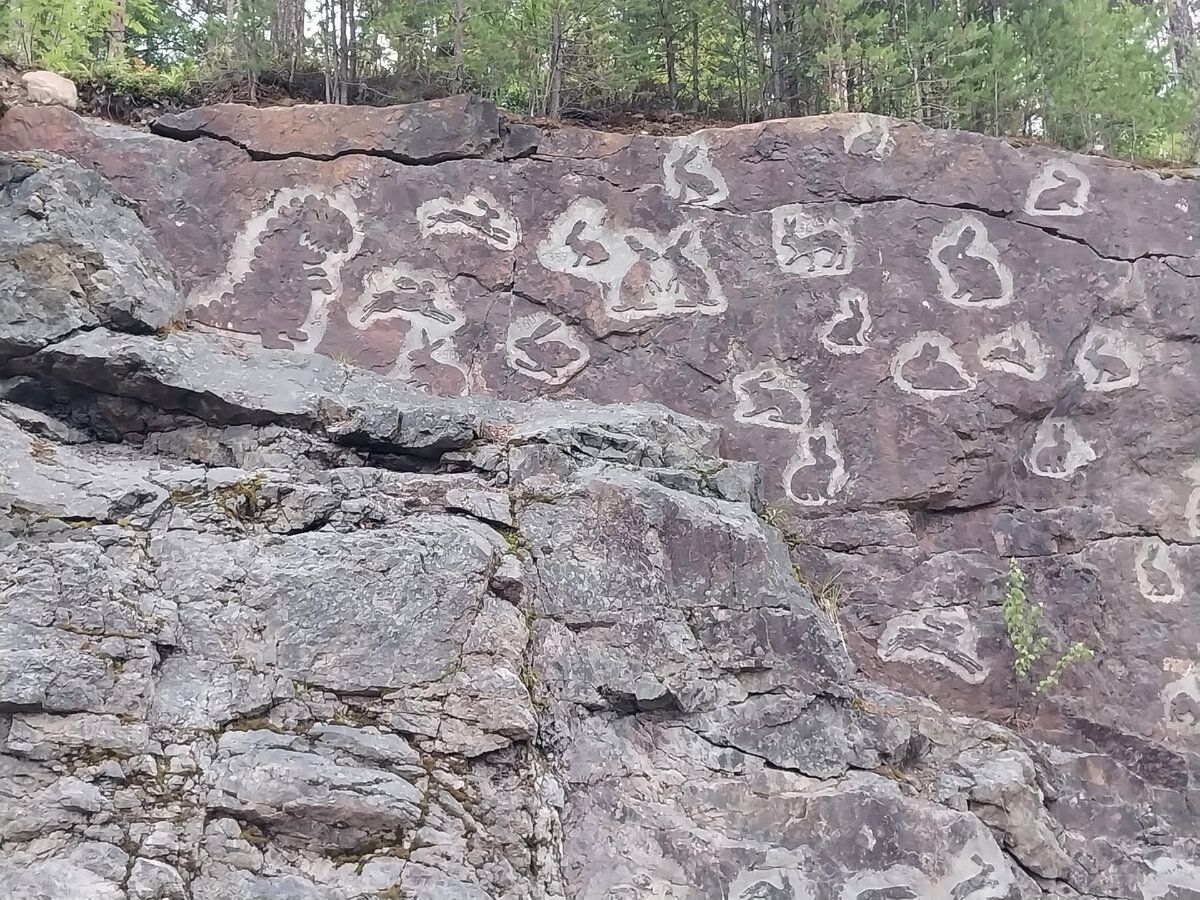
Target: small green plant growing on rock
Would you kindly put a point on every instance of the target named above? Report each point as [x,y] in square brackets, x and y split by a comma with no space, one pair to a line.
[1029,644]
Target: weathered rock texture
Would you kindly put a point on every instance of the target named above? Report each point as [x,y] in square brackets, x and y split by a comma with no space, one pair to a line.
[279,627]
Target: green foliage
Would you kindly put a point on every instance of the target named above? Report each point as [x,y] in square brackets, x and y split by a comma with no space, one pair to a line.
[1029,644]
[1096,75]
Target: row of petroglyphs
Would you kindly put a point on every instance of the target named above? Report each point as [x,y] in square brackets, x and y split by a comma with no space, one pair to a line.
[643,274]
[293,253]
[971,878]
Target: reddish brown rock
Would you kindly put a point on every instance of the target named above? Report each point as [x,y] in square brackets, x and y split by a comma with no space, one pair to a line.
[943,349]
[418,134]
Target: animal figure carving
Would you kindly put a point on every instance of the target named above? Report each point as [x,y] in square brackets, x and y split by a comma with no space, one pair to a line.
[1157,575]
[409,296]
[693,183]
[779,405]
[811,248]
[542,353]
[764,890]
[849,332]
[1109,367]
[289,266]
[937,638]
[483,221]
[817,475]
[975,278]
[977,882]
[899,892]
[432,374]
[1184,709]
[1063,195]
[688,276]
[1012,351]
[1053,458]
[587,253]
[639,287]
[927,371]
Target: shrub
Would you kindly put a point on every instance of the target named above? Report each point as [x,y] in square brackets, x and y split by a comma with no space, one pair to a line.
[1029,644]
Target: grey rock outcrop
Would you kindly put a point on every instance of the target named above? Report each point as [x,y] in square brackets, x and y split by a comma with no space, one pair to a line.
[275,627]
[73,256]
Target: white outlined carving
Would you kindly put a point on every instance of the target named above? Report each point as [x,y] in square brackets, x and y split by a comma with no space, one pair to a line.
[322,229]
[1059,450]
[810,245]
[817,474]
[477,215]
[928,365]
[689,174]
[1015,350]
[644,275]
[1157,575]
[849,330]
[946,637]
[869,136]
[543,347]
[1108,360]
[1059,189]
[970,273]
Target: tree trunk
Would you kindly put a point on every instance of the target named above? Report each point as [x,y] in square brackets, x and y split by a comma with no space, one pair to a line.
[287,29]
[668,31]
[554,98]
[695,62]
[777,54]
[459,15]
[116,33]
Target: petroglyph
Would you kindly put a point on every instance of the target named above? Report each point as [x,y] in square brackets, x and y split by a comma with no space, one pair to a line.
[644,275]
[1108,360]
[1157,576]
[945,637]
[810,245]
[1059,189]
[849,329]
[771,884]
[479,215]
[928,365]
[543,347]
[972,877]
[1015,350]
[1059,450]
[870,136]
[1181,698]
[817,474]
[292,251]
[1191,509]
[420,296]
[772,398]
[970,273]
[689,174]
[1171,879]
[432,364]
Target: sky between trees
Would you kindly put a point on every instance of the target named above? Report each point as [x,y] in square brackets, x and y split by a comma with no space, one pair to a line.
[1119,76]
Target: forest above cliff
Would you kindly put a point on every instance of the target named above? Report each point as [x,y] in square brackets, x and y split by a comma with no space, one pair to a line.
[1095,75]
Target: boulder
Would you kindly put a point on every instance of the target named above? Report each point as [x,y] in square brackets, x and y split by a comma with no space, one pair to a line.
[50,89]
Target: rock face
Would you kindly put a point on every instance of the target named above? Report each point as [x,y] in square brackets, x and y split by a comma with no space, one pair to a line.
[73,257]
[275,626]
